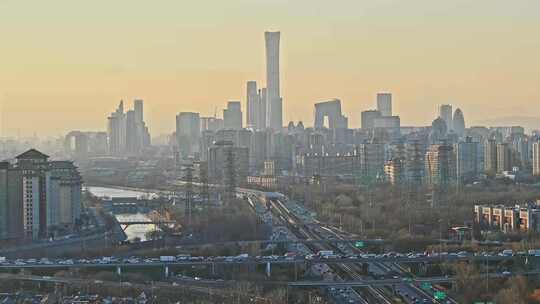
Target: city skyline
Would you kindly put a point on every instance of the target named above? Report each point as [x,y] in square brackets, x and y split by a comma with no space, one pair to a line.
[270,151]
[84,70]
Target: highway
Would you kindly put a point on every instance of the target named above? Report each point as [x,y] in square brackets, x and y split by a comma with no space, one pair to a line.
[272,259]
[348,286]
[316,230]
[343,270]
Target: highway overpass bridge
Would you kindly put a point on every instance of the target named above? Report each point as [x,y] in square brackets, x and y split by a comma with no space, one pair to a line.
[263,260]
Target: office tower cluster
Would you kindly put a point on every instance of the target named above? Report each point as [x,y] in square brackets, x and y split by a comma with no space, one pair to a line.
[265,105]
[381,120]
[444,154]
[38,197]
[127,131]
[127,135]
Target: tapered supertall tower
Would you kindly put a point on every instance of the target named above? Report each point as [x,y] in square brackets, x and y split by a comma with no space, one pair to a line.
[274,114]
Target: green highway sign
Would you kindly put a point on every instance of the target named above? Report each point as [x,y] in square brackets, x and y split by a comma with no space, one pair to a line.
[359,244]
[439,295]
[426,286]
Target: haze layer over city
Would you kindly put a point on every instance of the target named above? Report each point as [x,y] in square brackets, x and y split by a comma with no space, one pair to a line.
[80,57]
[269,152]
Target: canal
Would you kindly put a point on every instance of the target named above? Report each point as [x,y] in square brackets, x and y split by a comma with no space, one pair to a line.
[132,231]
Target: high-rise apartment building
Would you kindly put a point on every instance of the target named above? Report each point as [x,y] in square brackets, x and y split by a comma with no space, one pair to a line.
[445,113]
[504,158]
[395,171]
[38,196]
[4,216]
[372,160]
[65,193]
[207,140]
[232,116]
[188,131]
[467,160]
[384,104]
[490,156]
[259,151]
[274,115]
[440,165]
[536,158]
[219,156]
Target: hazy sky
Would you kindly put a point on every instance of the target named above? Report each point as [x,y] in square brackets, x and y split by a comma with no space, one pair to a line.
[65,64]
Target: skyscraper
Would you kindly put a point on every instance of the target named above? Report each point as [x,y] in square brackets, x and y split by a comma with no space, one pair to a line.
[117,130]
[458,123]
[384,103]
[253,104]
[127,130]
[140,127]
[132,138]
[262,109]
[445,112]
[138,109]
[232,116]
[274,116]
[332,110]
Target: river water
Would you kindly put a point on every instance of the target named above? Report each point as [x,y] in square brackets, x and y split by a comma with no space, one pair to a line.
[132,231]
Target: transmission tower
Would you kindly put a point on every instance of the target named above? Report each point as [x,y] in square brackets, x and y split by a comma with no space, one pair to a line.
[445,166]
[203,176]
[414,174]
[177,162]
[188,178]
[230,174]
[414,170]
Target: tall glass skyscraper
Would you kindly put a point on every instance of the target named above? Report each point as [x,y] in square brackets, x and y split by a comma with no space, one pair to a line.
[274,116]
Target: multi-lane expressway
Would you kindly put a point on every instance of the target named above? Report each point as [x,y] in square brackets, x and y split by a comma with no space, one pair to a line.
[309,228]
[273,259]
[344,262]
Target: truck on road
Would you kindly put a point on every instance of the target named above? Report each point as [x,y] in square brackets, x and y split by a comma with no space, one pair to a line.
[324,253]
[241,256]
[534,252]
[167,258]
